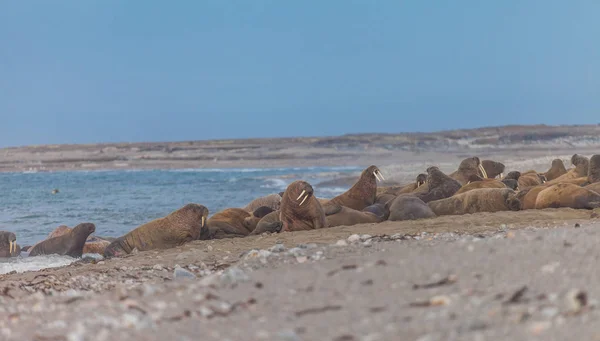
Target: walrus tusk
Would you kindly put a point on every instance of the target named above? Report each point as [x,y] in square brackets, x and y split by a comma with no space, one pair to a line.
[302,202]
[501,175]
[202,221]
[483,172]
[376,176]
[468,182]
[381,175]
[301,194]
[11,247]
[418,184]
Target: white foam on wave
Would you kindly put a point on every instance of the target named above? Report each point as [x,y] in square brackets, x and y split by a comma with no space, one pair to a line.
[275,183]
[22,264]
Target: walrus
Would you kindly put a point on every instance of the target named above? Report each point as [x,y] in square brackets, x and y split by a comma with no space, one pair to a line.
[300,210]
[594,169]
[581,164]
[439,186]
[253,220]
[557,168]
[338,215]
[363,193]
[477,200]
[467,168]
[269,223]
[93,244]
[493,169]
[528,196]
[384,198]
[8,245]
[177,228]
[380,210]
[485,183]
[228,223]
[397,190]
[69,244]
[511,183]
[531,180]
[593,187]
[512,175]
[409,207]
[272,201]
[567,195]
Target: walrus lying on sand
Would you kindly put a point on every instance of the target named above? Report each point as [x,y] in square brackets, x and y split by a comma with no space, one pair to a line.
[484,183]
[363,193]
[531,179]
[8,245]
[477,200]
[567,195]
[300,210]
[439,186]
[467,168]
[337,215]
[251,222]
[177,228]
[228,223]
[269,223]
[409,207]
[68,244]
[511,183]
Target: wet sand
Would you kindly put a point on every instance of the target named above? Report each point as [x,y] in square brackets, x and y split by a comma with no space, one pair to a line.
[323,285]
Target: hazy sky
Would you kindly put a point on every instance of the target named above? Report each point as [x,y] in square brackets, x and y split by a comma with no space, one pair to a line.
[113,70]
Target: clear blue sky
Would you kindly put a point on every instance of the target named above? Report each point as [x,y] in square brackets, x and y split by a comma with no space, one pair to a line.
[112,70]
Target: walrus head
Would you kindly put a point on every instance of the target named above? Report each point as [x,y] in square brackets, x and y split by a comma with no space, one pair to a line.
[511,183]
[493,169]
[512,201]
[581,164]
[556,169]
[421,178]
[10,239]
[435,177]
[594,169]
[514,175]
[300,209]
[83,230]
[297,193]
[472,165]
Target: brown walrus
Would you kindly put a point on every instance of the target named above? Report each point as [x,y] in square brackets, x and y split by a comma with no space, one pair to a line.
[409,207]
[300,210]
[485,183]
[384,198]
[93,244]
[269,223]
[530,180]
[593,187]
[467,168]
[439,186]
[272,200]
[528,196]
[556,169]
[511,183]
[397,190]
[69,244]
[581,164]
[228,223]
[594,169]
[337,215]
[493,169]
[253,220]
[8,245]
[363,193]
[567,195]
[477,200]
[177,228]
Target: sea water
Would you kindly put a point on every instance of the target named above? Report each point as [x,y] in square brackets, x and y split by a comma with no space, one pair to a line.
[119,201]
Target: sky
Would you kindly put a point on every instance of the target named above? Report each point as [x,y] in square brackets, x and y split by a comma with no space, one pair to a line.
[76,71]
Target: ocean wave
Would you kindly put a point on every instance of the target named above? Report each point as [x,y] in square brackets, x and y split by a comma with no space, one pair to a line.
[22,264]
[275,183]
[330,192]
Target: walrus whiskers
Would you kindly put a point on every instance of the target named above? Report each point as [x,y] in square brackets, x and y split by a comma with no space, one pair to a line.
[301,194]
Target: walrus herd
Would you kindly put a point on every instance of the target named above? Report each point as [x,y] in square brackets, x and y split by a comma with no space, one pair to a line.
[476,186]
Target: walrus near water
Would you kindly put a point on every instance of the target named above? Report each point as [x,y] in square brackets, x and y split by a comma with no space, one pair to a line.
[493,169]
[567,195]
[467,168]
[363,193]
[69,244]
[409,207]
[269,223]
[8,245]
[259,213]
[272,201]
[556,169]
[477,200]
[93,244]
[177,228]
[228,223]
[300,210]
[439,186]
[337,215]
